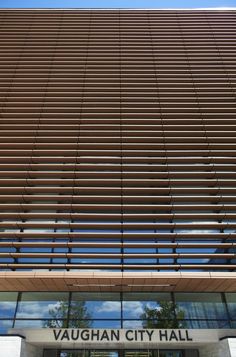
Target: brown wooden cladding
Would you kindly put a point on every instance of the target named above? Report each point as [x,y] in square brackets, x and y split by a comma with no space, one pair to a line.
[117,281]
[118,141]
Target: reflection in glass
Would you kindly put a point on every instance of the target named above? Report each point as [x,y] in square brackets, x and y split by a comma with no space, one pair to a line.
[201,305]
[99,306]
[78,311]
[106,324]
[5,325]
[70,353]
[134,304]
[170,354]
[32,324]
[88,353]
[132,324]
[104,310]
[140,353]
[233,324]
[42,305]
[166,315]
[205,324]
[98,353]
[7,304]
[231,302]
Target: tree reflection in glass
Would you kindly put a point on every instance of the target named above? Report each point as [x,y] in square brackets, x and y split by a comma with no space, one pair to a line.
[165,315]
[78,311]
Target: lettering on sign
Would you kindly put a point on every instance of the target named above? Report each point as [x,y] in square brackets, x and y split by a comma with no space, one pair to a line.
[142,335]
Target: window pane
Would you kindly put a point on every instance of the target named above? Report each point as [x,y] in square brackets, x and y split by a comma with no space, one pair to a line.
[231,302]
[136,304]
[7,304]
[201,305]
[43,305]
[205,324]
[132,324]
[107,324]
[39,324]
[5,325]
[95,306]
[97,324]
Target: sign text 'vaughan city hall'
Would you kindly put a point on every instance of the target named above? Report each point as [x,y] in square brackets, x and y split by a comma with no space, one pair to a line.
[116,335]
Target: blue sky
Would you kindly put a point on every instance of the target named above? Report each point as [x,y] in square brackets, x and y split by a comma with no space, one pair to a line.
[116,3]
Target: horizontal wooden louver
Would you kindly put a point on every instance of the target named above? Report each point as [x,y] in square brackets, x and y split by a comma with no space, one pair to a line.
[118,140]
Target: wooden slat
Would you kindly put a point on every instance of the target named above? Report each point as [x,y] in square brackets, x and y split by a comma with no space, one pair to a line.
[117,143]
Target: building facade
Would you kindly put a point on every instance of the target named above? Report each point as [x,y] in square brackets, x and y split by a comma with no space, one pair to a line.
[117,183]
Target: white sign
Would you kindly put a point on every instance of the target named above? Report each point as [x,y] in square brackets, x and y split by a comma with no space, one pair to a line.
[122,338]
[117,335]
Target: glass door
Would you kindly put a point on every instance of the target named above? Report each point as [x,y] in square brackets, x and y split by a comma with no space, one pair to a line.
[153,353]
[138,353]
[106,353]
[163,353]
[88,353]
[73,353]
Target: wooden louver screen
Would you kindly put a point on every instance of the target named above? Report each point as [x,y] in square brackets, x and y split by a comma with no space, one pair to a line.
[118,140]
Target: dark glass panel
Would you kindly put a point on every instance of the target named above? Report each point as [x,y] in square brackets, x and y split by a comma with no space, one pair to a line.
[201,305]
[205,324]
[231,303]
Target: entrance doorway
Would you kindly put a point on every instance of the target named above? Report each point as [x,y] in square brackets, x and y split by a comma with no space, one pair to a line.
[121,353]
[88,353]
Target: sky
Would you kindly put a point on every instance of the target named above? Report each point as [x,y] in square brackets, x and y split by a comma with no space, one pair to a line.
[117,3]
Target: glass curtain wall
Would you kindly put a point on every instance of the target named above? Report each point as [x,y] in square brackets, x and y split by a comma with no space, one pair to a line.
[116,310]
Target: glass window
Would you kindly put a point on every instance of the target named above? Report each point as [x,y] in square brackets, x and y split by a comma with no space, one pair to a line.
[201,305]
[40,324]
[231,303]
[95,306]
[103,310]
[7,304]
[5,325]
[43,305]
[133,324]
[143,305]
[205,324]
[95,324]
